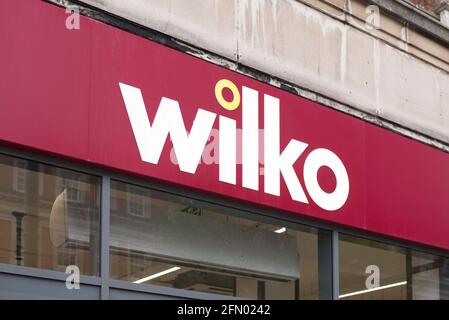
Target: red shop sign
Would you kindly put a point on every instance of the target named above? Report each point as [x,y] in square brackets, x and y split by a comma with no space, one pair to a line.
[104,96]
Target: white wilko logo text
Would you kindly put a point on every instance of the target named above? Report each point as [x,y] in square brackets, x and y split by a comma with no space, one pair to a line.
[189,146]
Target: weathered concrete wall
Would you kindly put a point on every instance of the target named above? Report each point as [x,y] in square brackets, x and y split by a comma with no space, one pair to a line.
[392,72]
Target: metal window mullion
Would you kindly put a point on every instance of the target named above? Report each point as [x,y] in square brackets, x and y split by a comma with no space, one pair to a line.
[104,231]
[325,265]
[335,266]
[409,273]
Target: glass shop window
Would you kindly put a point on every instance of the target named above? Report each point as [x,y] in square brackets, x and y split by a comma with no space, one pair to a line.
[70,182]
[181,243]
[45,229]
[19,175]
[137,201]
[371,270]
[428,277]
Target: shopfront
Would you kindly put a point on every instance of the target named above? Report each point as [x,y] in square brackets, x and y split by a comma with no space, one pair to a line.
[160,175]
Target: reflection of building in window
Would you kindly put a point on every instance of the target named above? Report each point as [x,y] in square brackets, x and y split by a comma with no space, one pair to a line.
[187,245]
[114,203]
[136,201]
[31,188]
[71,181]
[41,175]
[19,175]
[64,258]
[137,265]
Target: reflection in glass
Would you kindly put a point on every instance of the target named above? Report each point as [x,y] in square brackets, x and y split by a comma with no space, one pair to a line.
[371,270]
[49,217]
[374,270]
[172,241]
[429,277]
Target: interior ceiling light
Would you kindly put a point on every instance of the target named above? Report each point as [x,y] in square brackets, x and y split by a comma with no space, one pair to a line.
[281,230]
[373,289]
[157,275]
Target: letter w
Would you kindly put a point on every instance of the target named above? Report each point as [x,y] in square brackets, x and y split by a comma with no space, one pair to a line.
[168,120]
